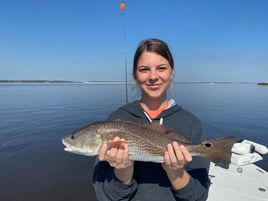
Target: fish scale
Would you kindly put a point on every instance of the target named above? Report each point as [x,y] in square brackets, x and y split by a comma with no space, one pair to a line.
[140,147]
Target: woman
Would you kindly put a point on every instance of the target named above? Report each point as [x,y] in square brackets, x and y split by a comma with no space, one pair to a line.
[180,177]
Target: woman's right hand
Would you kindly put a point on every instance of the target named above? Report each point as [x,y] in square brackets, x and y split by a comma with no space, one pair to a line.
[118,158]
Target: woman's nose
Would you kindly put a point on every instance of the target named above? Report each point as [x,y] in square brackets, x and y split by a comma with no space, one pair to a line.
[153,76]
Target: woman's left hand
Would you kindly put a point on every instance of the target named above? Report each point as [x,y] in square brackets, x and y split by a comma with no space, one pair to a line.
[176,156]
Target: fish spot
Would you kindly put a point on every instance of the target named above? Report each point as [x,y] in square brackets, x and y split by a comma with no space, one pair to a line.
[208,144]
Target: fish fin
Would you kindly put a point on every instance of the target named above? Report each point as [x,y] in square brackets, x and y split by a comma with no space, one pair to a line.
[125,121]
[219,150]
[168,132]
[172,134]
[119,144]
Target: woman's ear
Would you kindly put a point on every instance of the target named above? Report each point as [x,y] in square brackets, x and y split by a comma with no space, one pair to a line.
[172,75]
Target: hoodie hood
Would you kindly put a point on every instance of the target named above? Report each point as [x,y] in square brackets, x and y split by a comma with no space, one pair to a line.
[136,110]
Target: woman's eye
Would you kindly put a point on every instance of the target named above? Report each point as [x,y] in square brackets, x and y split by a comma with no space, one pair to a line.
[143,70]
[162,68]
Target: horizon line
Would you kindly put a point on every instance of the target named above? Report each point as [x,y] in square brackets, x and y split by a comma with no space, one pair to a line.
[119,82]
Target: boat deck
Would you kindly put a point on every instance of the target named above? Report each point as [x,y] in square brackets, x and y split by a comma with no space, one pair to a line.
[247,183]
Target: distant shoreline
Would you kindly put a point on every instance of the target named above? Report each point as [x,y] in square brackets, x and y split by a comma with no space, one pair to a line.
[113,82]
[59,82]
[37,81]
[263,83]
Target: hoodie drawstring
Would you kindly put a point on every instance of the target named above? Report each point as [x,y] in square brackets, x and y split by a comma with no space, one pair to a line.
[161,121]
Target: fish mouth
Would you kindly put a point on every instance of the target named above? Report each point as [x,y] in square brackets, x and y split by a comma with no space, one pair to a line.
[67,146]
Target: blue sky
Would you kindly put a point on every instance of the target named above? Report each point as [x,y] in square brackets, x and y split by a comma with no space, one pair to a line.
[83,40]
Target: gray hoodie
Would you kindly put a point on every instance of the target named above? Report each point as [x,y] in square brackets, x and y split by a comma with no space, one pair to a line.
[150,181]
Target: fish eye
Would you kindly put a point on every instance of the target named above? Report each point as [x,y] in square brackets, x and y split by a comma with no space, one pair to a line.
[208,145]
[72,137]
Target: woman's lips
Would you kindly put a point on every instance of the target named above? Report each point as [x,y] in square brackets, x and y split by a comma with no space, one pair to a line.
[153,87]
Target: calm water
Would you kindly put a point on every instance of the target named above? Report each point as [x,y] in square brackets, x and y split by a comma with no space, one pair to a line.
[34,118]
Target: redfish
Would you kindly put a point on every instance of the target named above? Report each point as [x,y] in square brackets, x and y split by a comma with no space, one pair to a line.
[146,142]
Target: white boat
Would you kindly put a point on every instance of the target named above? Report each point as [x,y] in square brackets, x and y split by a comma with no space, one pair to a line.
[245,183]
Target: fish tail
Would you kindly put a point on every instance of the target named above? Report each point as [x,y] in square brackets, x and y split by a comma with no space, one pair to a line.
[219,150]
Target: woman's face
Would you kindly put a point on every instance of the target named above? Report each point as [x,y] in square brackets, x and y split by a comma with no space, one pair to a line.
[154,75]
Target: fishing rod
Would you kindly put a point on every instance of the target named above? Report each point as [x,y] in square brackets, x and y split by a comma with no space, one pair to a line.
[122,7]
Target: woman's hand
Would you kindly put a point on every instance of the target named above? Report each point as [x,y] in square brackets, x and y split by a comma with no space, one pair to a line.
[176,156]
[118,158]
